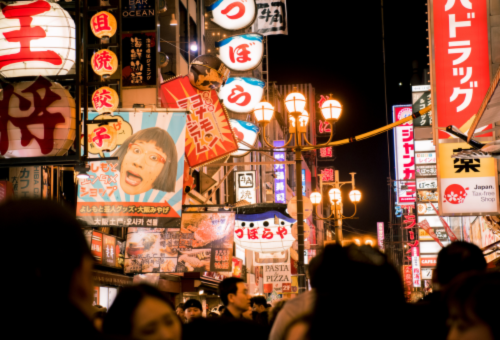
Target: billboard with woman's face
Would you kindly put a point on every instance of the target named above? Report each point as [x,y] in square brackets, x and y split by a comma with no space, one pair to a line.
[143,187]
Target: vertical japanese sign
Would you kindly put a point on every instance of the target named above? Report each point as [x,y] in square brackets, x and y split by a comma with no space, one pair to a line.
[271,17]
[138,15]
[139,59]
[404,155]
[26,181]
[109,250]
[460,61]
[421,98]
[415,267]
[96,246]
[279,171]
[209,133]
[245,186]
[328,175]
[380,236]
[467,185]
[204,242]
[303,182]
[144,187]
[407,282]
[326,152]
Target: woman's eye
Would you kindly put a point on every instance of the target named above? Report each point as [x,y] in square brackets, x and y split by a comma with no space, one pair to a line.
[154,158]
[137,151]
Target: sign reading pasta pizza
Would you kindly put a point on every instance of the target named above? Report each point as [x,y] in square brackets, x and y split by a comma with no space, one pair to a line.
[204,242]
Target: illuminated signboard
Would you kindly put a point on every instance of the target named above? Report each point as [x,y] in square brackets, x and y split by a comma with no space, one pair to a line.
[415,267]
[241,52]
[246,132]
[279,171]
[303,182]
[245,186]
[404,155]
[380,235]
[233,14]
[242,94]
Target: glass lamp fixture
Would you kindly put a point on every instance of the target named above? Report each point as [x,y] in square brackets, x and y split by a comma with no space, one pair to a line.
[295,102]
[194,47]
[355,196]
[315,198]
[173,22]
[335,195]
[331,109]
[263,112]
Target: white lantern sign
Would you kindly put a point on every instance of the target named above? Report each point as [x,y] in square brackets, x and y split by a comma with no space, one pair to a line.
[267,232]
[233,14]
[36,38]
[242,94]
[242,52]
[246,132]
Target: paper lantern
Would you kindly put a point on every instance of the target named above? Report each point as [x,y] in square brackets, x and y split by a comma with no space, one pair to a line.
[103,25]
[105,100]
[37,118]
[242,52]
[37,38]
[267,232]
[104,63]
[233,14]
[242,94]
[246,132]
[102,138]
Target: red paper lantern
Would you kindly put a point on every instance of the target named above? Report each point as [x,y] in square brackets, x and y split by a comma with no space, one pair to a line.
[104,63]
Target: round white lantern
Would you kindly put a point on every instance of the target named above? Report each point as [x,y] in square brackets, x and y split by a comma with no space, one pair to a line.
[103,25]
[36,38]
[104,63]
[105,100]
[40,119]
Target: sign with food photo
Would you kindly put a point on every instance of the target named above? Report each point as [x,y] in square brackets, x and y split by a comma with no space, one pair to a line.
[204,242]
[143,188]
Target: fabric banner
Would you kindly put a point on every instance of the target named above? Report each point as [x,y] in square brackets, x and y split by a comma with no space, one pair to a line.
[209,135]
[144,186]
[203,243]
[271,17]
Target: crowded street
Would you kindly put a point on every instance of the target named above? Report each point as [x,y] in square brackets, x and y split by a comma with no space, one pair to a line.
[250,169]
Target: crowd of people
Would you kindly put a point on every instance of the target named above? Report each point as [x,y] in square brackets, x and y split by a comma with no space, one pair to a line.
[356,293]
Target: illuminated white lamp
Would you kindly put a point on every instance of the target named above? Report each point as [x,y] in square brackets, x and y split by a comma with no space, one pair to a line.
[173,22]
[201,292]
[52,54]
[355,196]
[194,47]
[263,112]
[82,171]
[331,110]
[295,102]
[335,195]
[315,198]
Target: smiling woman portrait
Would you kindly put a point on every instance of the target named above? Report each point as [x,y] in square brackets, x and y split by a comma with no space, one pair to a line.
[147,160]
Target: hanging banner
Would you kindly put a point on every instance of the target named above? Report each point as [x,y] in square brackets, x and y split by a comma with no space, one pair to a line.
[271,17]
[404,155]
[245,186]
[144,187]
[139,59]
[209,135]
[203,243]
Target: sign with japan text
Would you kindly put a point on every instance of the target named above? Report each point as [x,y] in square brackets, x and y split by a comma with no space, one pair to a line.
[405,155]
[279,171]
[460,60]
[209,135]
[241,52]
[467,185]
[233,14]
[245,186]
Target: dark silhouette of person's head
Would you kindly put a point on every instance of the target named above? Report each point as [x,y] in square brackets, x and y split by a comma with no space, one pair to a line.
[228,286]
[458,258]
[258,303]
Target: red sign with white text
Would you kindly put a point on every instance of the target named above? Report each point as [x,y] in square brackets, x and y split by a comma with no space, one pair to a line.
[461,60]
[428,261]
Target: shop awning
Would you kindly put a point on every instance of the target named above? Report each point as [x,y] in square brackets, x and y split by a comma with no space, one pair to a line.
[489,111]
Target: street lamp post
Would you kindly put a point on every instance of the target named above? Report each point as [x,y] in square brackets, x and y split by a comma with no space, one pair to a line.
[295,103]
[335,196]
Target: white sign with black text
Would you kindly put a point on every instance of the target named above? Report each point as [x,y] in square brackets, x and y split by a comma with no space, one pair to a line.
[278,273]
[245,186]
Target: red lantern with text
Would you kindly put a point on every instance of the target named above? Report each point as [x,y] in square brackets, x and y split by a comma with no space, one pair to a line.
[105,100]
[37,118]
[36,38]
[102,138]
[103,25]
[104,63]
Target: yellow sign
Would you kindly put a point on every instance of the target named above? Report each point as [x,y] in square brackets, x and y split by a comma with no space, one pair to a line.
[463,168]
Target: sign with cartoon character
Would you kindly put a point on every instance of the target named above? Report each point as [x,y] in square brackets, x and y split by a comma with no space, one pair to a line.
[144,186]
[241,94]
[242,52]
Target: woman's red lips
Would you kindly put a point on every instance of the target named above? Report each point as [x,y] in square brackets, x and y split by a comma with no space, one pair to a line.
[133,179]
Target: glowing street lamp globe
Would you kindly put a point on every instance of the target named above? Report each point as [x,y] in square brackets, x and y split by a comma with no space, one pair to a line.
[263,112]
[331,110]
[295,102]
[315,198]
[355,196]
[335,195]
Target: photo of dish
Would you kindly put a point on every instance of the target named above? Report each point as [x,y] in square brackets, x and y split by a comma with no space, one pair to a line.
[196,260]
[168,265]
[169,251]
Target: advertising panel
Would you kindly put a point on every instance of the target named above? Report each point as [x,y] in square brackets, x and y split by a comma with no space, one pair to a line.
[407,282]
[426,171]
[415,267]
[138,15]
[405,155]
[203,243]
[233,15]
[241,94]
[139,66]
[428,261]
[26,181]
[109,250]
[421,98]
[245,186]
[277,273]
[279,171]
[460,61]
[261,259]
[96,246]
[425,158]
[209,135]
[144,186]
[380,236]
[237,267]
[468,186]
[271,17]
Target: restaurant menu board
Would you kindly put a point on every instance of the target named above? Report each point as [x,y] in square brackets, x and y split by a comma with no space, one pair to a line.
[203,243]
[139,59]
[106,249]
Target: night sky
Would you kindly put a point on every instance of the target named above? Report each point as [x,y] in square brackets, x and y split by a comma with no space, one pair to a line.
[337,47]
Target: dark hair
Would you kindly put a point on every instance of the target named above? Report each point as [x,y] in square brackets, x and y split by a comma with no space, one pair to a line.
[213,315]
[474,297]
[228,286]
[268,305]
[26,229]
[314,263]
[192,303]
[118,321]
[457,258]
[221,308]
[259,301]
[168,176]
[180,305]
